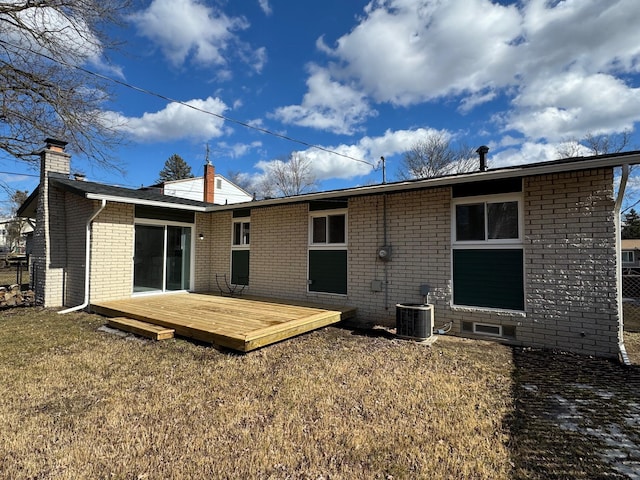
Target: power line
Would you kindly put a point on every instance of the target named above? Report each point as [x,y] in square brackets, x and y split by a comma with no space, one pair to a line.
[202,110]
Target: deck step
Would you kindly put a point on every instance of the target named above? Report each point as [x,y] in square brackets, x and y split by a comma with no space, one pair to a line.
[149,330]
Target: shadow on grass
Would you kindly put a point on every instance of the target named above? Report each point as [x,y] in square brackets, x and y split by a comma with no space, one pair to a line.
[575,417]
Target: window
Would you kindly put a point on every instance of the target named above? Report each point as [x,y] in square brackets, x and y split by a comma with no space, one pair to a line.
[218,183]
[487,221]
[328,229]
[240,251]
[328,251]
[487,256]
[628,257]
[241,230]
[508,331]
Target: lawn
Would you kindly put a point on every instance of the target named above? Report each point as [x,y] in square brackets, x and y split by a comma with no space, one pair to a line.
[79,403]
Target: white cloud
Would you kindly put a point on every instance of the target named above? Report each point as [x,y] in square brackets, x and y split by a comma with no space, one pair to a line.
[191,29]
[266,7]
[326,165]
[328,105]
[526,152]
[175,122]
[237,150]
[560,66]
[573,104]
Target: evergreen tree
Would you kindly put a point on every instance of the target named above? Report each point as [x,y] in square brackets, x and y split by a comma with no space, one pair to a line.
[175,168]
[631,228]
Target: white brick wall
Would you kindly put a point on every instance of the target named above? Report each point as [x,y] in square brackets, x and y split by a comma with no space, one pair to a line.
[569,252]
[112,252]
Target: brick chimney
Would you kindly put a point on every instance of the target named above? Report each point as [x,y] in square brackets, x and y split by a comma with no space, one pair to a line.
[49,240]
[209,182]
[54,159]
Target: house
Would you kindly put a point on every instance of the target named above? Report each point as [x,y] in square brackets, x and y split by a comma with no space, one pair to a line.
[528,255]
[16,245]
[211,187]
[630,254]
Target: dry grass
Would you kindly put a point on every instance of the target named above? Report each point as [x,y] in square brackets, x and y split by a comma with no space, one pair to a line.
[631,315]
[8,276]
[632,345]
[77,403]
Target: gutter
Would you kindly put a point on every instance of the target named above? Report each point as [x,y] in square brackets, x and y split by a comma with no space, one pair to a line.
[138,201]
[527,170]
[617,210]
[87,261]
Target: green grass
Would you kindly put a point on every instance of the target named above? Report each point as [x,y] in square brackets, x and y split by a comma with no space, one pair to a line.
[79,403]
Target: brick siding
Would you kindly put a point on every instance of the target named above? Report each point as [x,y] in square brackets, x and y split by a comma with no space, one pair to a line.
[112,252]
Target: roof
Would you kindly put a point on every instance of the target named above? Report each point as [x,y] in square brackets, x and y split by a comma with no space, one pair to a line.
[557,166]
[99,191]
[630,244]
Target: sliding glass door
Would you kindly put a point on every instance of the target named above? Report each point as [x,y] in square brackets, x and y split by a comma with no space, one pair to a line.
[162,258]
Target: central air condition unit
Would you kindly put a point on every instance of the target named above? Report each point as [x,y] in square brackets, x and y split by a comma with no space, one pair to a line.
[414,321]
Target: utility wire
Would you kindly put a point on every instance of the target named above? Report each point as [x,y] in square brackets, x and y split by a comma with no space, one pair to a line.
[202,110]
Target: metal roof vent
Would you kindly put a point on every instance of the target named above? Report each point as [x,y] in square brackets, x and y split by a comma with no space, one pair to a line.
[482,151]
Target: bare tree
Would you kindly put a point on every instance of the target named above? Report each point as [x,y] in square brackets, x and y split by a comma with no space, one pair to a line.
[434,156]
[600,144]
[241,179]
[44,91]
[286,178]
[16,224]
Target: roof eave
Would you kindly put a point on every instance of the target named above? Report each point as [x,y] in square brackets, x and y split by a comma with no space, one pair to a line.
[578,164]
[148,203]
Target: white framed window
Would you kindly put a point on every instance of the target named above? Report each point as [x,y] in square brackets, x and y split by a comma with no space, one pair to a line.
[628,256]
[241,232]
[327,267]
[218,183]
[328,228]
[488,219]
[487,253]
[240,250]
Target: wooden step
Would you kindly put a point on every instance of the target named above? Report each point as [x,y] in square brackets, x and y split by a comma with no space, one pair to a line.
[144,329]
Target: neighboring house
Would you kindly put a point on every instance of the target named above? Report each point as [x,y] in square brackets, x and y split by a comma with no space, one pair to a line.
[18,247]
[630,254]
[528,254]
[211,188]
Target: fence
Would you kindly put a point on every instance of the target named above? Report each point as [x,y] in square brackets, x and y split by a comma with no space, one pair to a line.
[631,300]
[14,273]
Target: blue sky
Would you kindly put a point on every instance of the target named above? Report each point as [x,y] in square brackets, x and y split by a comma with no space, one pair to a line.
[366,79]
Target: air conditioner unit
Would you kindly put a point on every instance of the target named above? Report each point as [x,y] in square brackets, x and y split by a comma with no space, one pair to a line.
[414,321]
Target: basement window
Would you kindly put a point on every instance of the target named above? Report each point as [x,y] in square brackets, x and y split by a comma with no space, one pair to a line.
[506,331]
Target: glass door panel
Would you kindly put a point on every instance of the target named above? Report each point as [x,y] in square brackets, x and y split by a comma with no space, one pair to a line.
[178,257]
[148,261]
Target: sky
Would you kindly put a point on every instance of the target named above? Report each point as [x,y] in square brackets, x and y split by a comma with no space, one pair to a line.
[364,79]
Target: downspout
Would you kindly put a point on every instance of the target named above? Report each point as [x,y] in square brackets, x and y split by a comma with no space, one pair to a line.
[87,261]
[617,210]
[385,242]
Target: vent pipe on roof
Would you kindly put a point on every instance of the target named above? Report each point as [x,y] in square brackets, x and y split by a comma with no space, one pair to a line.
[482,151]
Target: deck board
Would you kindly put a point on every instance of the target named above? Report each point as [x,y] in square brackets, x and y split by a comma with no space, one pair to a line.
[241,323]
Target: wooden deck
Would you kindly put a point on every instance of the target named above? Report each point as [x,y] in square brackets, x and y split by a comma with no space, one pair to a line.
[240,323]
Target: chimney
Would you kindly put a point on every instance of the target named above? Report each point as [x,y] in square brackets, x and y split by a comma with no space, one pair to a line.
[53,158]
[209,182]
[482,151]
